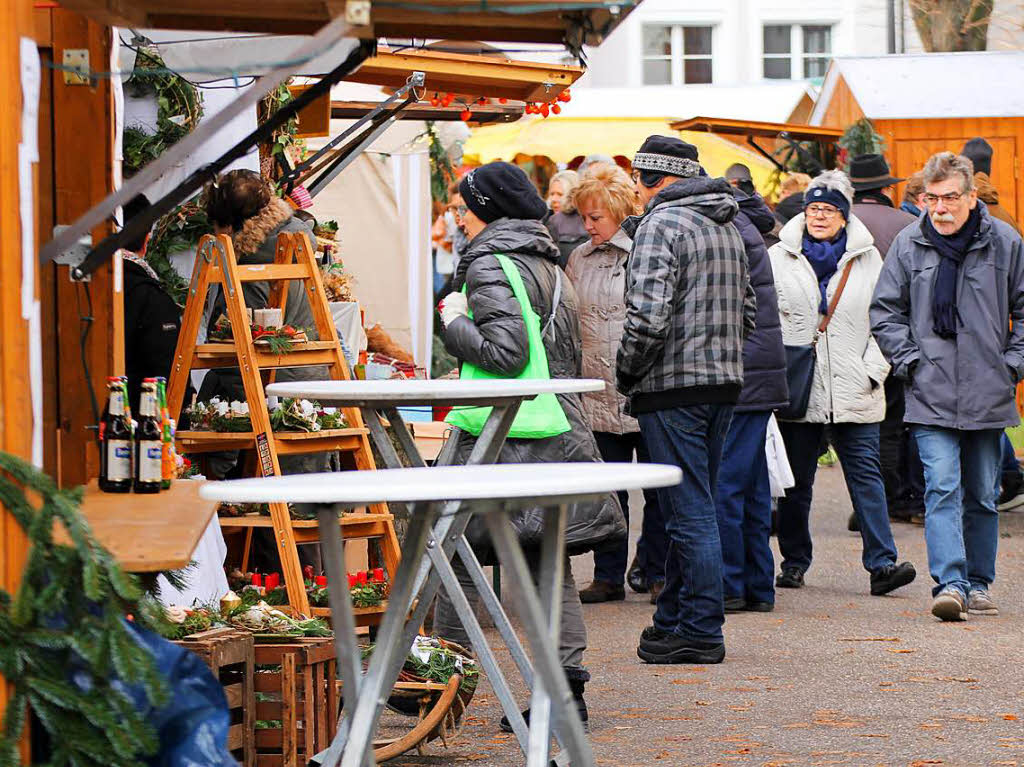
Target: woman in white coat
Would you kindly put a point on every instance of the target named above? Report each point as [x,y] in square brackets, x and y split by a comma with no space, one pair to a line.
[847,395]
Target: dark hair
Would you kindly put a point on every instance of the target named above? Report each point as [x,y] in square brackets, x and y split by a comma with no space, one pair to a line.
[237,196]
[651,178]
[136,206]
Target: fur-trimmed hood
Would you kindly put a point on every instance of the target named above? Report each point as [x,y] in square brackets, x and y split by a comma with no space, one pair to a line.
[256,230]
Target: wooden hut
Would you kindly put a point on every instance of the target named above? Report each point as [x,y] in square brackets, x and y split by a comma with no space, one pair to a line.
[932,102]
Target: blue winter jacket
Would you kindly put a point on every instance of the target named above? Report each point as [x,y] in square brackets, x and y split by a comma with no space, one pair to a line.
[764,356]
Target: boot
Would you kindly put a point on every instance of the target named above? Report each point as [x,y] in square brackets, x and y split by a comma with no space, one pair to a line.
[636,578]
[576,686]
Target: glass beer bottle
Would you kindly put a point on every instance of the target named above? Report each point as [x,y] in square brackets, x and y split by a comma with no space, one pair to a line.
[148,442]
[115,442]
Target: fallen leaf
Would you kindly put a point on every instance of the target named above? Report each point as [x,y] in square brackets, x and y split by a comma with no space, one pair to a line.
[923,762]
[901,650]
[1010,717]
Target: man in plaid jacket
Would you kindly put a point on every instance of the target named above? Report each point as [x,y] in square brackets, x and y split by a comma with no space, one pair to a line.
[689,307]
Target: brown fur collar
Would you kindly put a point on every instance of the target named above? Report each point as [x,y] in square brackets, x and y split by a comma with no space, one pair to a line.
[255,230]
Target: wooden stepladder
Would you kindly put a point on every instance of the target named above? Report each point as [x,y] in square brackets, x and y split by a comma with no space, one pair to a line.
[216,266]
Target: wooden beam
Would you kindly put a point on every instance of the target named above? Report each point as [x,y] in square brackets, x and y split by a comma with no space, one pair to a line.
[15,396]
[83,147]
[482,114]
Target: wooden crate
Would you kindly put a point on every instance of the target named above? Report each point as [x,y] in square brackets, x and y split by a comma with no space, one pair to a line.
[296,686]
[229,655]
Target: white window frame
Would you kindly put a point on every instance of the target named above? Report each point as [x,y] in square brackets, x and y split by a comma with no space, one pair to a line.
[796,46]
[678,56]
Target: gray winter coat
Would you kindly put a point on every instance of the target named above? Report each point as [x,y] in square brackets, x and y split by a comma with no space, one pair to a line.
[965,382]
[495,340]
[689,302]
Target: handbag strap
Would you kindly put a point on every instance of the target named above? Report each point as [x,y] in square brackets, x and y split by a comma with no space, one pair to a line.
[823,325]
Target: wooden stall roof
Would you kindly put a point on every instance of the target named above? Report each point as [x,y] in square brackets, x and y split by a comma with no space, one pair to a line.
[730,127]
[470,75]
[540,21]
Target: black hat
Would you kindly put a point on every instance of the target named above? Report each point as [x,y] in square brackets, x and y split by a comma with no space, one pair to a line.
[979,152]
[501,190]
[870,171]
[668,155]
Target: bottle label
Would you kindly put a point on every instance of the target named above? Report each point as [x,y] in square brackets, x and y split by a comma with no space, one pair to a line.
[119,460]
[117,403]
[147,402]
[150,461]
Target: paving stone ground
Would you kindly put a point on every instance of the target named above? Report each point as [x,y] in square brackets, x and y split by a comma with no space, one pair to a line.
[832,677]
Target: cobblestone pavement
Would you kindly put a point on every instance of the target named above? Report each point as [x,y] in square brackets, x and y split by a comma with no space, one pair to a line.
[832,677]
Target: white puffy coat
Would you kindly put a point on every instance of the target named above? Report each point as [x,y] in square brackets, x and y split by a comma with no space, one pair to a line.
[850,368]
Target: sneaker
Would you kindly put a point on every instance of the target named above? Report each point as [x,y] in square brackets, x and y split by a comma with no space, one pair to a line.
[735,604]
[980,602]
[657,646]
[637,578]
[1010,499]
[602,591]
[759,607]
[891,577]
[853,524]
[656,588]
[949,605]
[790,578]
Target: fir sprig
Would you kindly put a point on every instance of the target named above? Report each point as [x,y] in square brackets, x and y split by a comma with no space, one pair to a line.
[64,645]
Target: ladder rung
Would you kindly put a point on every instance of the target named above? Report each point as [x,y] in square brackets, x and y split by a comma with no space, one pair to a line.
[224,355]
[265,272]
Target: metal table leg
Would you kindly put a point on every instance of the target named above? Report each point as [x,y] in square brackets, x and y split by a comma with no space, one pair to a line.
[534,615]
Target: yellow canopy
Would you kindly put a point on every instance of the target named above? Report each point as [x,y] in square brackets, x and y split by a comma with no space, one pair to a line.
[563,138]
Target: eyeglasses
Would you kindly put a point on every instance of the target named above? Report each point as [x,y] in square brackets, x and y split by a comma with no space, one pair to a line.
[462,210]
[821,211]
[950,198]
[635,175]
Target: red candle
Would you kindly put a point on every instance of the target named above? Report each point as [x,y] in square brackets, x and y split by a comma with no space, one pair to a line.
[352,580]
[257,580]
[378,575]
[321,580]
[273,580]
[361,578]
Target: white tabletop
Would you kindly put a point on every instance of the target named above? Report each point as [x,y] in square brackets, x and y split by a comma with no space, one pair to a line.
[510,482]
[443,391]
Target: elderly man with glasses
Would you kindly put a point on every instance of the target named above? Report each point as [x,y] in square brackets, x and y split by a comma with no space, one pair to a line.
[942,312]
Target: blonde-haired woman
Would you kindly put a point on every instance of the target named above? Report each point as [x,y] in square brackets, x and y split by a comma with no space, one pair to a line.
[604,198]
[564,222]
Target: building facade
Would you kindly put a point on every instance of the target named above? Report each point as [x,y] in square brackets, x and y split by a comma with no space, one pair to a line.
[742,42]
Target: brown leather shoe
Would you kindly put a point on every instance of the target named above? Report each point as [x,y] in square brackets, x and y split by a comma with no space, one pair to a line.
[601,591]
[656,588]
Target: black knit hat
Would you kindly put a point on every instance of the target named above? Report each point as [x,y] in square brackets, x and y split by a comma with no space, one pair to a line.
[668,155]
[979,152]
[501,190]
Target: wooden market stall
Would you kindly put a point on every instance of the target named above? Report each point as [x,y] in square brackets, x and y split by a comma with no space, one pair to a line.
[61,338]
[905,97]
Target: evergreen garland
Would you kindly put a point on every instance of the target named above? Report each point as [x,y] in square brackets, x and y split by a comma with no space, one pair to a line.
[179,108]
[442,174]
[859,138]
[64,646]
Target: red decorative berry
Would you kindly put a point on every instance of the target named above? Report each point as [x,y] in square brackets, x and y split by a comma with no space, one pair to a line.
[481,101]
[465,115]
[545,109]
[556,109]
[503,100]
[435,101]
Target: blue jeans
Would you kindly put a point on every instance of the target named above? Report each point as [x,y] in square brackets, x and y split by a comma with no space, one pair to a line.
[610,564]
[961,524]
[857,446]
[691,438]
[1009,473]
[744,503]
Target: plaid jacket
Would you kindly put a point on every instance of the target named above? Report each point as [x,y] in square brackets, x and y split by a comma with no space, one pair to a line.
[689,302]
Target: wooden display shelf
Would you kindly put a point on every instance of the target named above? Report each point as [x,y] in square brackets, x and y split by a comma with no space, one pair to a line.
[353,526]
[147,533]
[365,616]
[288,442]
[225,355]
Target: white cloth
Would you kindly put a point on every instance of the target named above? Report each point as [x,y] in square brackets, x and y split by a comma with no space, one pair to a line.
[850,370]
[349,323]
[205,581]
[453,306]
[780,475]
